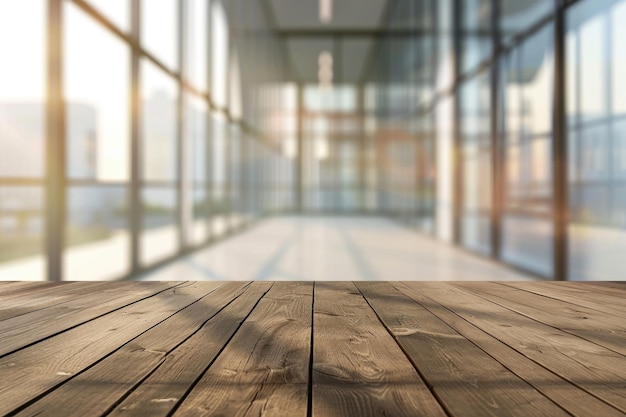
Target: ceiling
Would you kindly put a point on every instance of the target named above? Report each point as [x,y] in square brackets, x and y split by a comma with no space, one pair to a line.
[345,36]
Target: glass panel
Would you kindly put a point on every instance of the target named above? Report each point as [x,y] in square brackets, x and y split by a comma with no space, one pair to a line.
[117,11]
[219,54]
[477,163]
[517,16]
[159,238]
[219,165]
[97,107]
[197,38]
[21,233]
[22,87]
[159,30]
[597,140]
[159,93]
[527,222]
[444,170]
[196,113]
[97,233]
[477,34]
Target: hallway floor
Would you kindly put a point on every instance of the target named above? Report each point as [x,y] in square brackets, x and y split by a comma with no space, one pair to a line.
[333,249]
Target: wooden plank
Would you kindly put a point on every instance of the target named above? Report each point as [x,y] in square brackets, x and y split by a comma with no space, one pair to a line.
[38,368]
[264,368]
[465,379]
[595,369]
[582,298]
[107,382]
[604,329]
[618,285]
[613,289]
[163,390]
[572,399]
[11,288]
[358,369]
[28,302]
[29,328]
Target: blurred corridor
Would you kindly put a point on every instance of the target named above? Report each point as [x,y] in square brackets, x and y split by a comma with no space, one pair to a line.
[136,132]
[333,249]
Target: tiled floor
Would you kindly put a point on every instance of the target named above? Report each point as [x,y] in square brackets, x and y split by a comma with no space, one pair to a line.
[333,248]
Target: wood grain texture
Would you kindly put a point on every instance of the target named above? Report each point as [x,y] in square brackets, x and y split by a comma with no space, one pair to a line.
[94,391]
[31,327]
[327,349]
[29,302]
[358,369]
[615,305]
[41,367]
[572,399]
[466,380]
[263,371]
[13,288]
[163,390]
[597,370]
[596,326]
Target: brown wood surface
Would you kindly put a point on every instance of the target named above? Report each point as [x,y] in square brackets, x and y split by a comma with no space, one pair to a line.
[597,370]
[596,326]
[615,305]
[40,367]
[164,390]
[37,325]
[264,370]
[324,349]
[358,369]
[467,381]
[28,302]
[93,391]
[577,402]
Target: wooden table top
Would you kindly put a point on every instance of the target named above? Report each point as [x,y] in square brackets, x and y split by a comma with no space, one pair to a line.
[323,349]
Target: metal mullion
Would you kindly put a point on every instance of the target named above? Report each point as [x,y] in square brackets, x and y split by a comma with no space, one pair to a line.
[559,154]
[56,187]
[457,185]
[497,168]
[181,136]
[135,215]
[608,80]
[362,142]
[299,177]
[22,182]
[209,130]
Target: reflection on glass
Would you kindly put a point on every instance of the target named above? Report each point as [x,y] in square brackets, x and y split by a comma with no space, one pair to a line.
[22,87]
[159,30]
[444,170]
[22,137]
[197,37]
[219,174]
[97,236]
[21,233]
[219,54]
[596,140]
[159,237]
[196,114]
[517,16]
[96,84]
[159,94]
[527,230]
[475,132]
[235,185]
[477,33]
